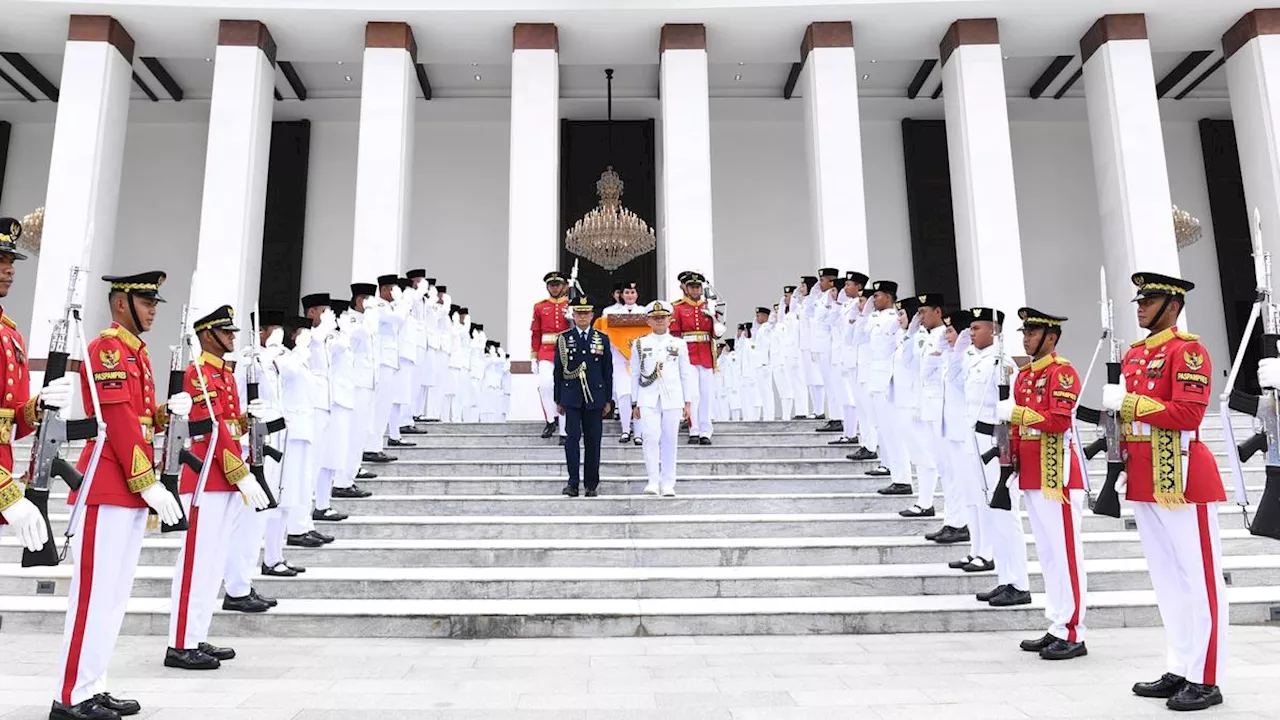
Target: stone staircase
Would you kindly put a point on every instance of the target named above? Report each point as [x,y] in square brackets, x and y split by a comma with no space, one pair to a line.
[774,532]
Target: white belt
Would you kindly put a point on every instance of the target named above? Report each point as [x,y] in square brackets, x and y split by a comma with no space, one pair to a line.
[696,336]
[549,338]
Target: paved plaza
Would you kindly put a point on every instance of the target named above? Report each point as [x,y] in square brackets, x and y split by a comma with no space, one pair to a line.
[952,676]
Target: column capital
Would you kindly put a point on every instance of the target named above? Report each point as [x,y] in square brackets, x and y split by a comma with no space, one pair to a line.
[535,36]
[102,28]
[391,35]
[682,36]
[1264,21]
[247,33]
[978,31]
[1131,26]
[826,35]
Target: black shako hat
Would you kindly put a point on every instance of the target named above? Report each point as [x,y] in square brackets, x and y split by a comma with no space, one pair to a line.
[854,276]
[958,319]
[387,280]
[909,305]
[888,287]
[269,318]
[416,273]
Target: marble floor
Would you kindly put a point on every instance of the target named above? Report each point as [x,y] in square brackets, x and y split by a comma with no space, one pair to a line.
[920,676]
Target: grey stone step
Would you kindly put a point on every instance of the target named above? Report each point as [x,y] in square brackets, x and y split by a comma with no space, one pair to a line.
[670,582]
[633,467]
[393,505]
[626,618]
[612,451]
[663,552]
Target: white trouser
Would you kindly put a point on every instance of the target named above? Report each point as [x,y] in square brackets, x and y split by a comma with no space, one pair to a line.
[401,389]
[891,438]
[849,410]
[363,415]
[546,390]
[868,434]
[1056,527]
[922,442]
[703,402]
[968,477]
[661,428]
[198,570]
[832,384]
[1002,528]
[795,377]
[105,547]
[381,409]
[296,485]
[764,387]
[955,513]
[440,387]
[1184,555]
[247,531]
[334,466]
[811,367]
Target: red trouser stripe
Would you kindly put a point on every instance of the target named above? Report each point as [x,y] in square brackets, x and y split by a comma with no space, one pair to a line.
[188,564]
[84,569]
[1211,590]
[1073,566]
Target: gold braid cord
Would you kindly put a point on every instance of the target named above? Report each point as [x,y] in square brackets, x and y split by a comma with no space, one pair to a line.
[1166,456]
[646,379]
[579,374]
[1052,461]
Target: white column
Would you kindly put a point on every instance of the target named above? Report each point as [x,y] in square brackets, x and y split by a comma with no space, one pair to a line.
[686,240]
[1128,159]
[988,246]
[229,255]
[1252,50]
[84,173]
[384,162]
[533,236]
[833,144]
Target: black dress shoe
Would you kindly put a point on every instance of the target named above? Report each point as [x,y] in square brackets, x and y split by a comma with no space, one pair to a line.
[1063,650]
[392,442]
[548,430]
[593,493]
[365,475]
[951,535]
[704,440]
[278,570]
[1194,696]
[820,416]
[1038,644]
[560,441]
[245,604]
[979,565]
[917,511]
[624,438]
[303,541]
[190,659]
[693,440]
[896,489]
[421,418]
[863,454]
[361,491]
[296,568]
[831,426]
[1010,596]
[411,430]
[346,493]
[986,596]
[326,539]
[221,653]
[879,471]
[87,710]
[1166,687]
[120,705]
[569,491]
[270,601]
[328,515]
[377,457]
[842,441]
[958,564]
[934,535]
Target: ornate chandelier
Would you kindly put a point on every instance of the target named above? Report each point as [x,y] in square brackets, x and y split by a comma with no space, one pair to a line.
[1186,227]
[610,235]
[32,231]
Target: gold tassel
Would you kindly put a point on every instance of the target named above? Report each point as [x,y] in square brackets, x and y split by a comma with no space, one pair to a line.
[1166,458]
[153,522]
[1052,460]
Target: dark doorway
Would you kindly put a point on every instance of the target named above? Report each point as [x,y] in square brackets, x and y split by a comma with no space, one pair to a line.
[929,210]
[284,221]
[585,151]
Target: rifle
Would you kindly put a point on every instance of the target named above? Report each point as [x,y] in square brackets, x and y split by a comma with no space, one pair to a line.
[1108,501]
[56,430]
[258,430]
[1000,498]
[175,452]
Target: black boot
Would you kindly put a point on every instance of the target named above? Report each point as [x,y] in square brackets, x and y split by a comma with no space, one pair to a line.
[1063,650]
[1166,687]
[221,653]
[87,710]
[1194,696]
[120,705]
[190,659]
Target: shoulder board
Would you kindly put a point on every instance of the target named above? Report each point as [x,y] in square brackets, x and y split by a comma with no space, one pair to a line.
[109,333]
[1024,368]
[681,301]
[8,321]
[1138,343]
[1062,361]
[1189,337]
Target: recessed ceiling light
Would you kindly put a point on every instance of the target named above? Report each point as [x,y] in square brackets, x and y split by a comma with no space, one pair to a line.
[873,62]
[866,77]
[208,59]
[473,64]
[347,78]
[1006,57]
[741,64]
[477,78]
[339,62]
[737,78]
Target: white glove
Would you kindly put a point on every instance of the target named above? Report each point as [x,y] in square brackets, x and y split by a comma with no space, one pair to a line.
[709,310]
[377,303]
[180,405]
[303,339]
[396,293]
[275,338]
[347,322]
[1112,397]
[1004,410]
[328,322]
[1122,483]
[27,524]
[259,409]
[964,340]
[254,495]
[163,502]
[57,394]
[1269,372]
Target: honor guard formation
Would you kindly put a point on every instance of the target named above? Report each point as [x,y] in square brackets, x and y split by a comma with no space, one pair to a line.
[264,422]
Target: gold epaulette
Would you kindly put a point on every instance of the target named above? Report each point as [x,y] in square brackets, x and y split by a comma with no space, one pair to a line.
[8,321]
[110,332]
[1062,361]
[683,300]
[1024,368]
[1189,337]
[130,341]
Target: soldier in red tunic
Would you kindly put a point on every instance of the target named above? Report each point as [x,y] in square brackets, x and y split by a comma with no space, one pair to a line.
[123,487]
[1174,485]
[695,321]
[1039,415]
[549,321]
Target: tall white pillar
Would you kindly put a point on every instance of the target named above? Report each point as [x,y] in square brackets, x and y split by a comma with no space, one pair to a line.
[686,240]
[84,173]
[1252,50]
[533,235]
[1128,159]
[384,162]
[229,255]
[988,246]
[833,144]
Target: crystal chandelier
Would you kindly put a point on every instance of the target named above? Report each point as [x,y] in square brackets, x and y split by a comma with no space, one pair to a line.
[610,235]
[32,231]
[1186,227]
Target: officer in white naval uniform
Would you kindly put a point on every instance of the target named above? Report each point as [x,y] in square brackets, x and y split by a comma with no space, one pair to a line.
[662,382]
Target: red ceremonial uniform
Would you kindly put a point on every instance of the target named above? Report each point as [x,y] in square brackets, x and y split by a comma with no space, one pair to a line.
[18,416]
[1046,392]
[548,322]
[120,369]
[1167,378]
[691,322]
[228,466]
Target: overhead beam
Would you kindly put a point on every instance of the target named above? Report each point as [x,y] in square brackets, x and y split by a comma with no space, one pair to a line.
[424,83]
[793,77]
[917,82]
[1204,76]
[1183,69]
[278,95]
[33,76]
[937,93]
[1050,74]
[145,88]
[295,82]
[17,86]
[1067,85]
[163,77]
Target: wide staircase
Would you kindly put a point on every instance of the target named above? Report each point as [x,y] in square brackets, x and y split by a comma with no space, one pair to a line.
[773,532]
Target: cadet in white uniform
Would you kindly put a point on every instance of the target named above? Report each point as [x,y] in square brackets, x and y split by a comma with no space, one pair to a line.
[957,448]
[844,354]
[928,426]
[622,400]
[883,334]
[662,382]
[826,308]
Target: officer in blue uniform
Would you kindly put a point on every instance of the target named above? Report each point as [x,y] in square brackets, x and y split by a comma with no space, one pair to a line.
[583,390]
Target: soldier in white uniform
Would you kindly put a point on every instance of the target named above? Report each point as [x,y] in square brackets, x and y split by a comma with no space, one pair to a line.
[803,303]
[627,294]
[762,339]
[844,354]
[876,363]
[662,382]
[390,318]
[360,324]
[748,361]
[868,432]
[788,376]
[957,446]
[826,309]
[928,427]
[905,400]
[426,291]
[437,348]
